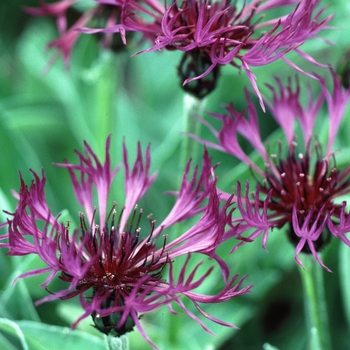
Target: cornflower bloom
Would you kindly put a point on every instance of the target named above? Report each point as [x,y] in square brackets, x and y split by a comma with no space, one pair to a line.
[298,188]
[215,33]
[116,273]
[210,33]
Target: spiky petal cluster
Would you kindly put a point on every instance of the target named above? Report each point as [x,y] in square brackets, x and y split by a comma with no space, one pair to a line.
[298,189]
[229,34]
[218,32]
[116,273]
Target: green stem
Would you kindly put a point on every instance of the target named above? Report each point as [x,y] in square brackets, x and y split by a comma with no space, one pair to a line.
[117,343]
[344,270]
[315,304]
[193,107]
[106,86]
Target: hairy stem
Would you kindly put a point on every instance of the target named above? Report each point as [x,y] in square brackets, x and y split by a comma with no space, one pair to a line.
[193,107]
[315,304]
[117,343]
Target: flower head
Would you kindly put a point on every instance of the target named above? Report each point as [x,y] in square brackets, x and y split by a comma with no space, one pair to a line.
[215,33]
[117,271]
[209,33]
[298,188]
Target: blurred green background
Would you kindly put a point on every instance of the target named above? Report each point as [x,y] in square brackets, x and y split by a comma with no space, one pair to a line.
[44,116]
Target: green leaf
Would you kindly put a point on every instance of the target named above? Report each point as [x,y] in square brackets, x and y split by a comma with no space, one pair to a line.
[38,336]
[5,344]
[12,328]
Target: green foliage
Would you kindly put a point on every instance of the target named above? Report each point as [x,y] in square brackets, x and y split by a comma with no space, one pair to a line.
[36,336]
[46,114]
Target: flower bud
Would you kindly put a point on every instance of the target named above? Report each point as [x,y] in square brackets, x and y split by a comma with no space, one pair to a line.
[193,64]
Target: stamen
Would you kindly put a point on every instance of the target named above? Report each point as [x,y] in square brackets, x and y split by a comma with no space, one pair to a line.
[66,236]
[112,234]
[112,211]
[164,244]
[139,219]
[132,218]
[135,238]
[120,216]
[273,157]
[163,265]
[93,217]
[112,237]
[94,239]
[152,225]
[83,226]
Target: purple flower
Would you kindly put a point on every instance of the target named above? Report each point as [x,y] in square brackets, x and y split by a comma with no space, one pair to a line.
[298,186]
[226,34]
[210,33]
[117,271]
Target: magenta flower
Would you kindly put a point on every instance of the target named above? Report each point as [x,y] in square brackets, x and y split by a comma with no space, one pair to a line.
[299,186]
[215,33]
[210,33]
[117,271]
